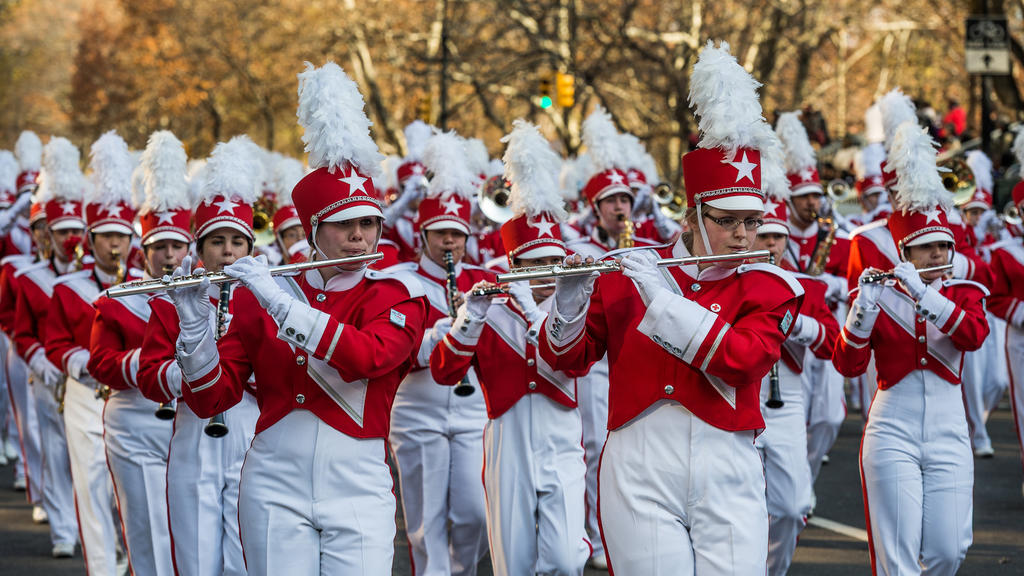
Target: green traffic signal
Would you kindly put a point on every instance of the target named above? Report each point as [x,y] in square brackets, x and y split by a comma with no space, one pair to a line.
[545,102]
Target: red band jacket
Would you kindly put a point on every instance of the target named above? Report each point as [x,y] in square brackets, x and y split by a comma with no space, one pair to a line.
[9,266]
[1008,281]
[115,345]
[69,322]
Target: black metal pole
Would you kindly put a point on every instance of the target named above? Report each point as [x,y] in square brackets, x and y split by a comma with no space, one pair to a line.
[986,114]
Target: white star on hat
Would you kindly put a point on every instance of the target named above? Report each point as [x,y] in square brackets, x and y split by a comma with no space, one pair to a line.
[933,216]
[615,177]
[806,174]
[452,206]
[770,206]
[417,169]
[114,211]
[226,205]
[355,182]
[543,227]
[744,168]
[68,207]
[165,217]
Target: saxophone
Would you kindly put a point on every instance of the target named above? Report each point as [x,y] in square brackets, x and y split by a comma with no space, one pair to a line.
[626,236]
[820,257]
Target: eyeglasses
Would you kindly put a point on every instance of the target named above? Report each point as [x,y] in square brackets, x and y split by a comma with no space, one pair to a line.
[731,223]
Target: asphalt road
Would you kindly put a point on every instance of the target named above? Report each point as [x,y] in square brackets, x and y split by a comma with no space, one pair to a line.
[838,550]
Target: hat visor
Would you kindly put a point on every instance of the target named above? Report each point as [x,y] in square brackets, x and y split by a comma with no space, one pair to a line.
[542,252]
[805,189]
[217,225]
[447,225]
[738,203]
[931,237]
[613,190]
[975,204]
[67,224]
[773,228]
[167,235]
[360,211]
[112,227]
[289,223]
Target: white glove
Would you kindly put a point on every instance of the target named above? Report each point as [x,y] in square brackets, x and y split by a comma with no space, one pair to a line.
[869,291]
[641,267]
[573,292]
[396,208]
[76,364]
[431,337]
[9,216]
[255,274]
[193,306]
[523,295]
[477,306]
[667,228]
[910,279]
[836,290]
[41,366]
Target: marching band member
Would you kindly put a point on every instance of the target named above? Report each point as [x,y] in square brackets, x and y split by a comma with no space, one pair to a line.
[822,253]
[681,483]
[610,198]
[203,471]
[399,216]
[784,443]
[60,193]
[436,435]
[316,492]
[916,465]
[534,468]
[136,441]
[68,328]
[288,233]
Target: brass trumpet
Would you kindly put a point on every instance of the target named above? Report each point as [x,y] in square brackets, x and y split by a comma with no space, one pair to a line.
[159,284]
[670,202]
[882,276]
[606,266]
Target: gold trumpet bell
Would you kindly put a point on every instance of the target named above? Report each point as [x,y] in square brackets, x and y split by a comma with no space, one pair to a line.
[262,222]
[672,203]
[958,180]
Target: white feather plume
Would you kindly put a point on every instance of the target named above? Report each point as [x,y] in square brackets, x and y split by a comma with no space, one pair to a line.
[495,167]
[799,152]
[234,171]
[897,108]
[874,130]
[869,160]
[29,150]
[389,173]
[111,167]
[637,158]
[724,97]
[774,182]
[912,156]
[445,157]
[416,135]
[8,172]
[337,131]
[287,174]
[981,165]
[196,176]
[532,168]
[1018,150]
[602,142]
[477,155]
[163,166]
[570,179]
[60,176]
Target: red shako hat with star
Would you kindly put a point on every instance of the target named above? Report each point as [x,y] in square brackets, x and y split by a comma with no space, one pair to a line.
[159,182]
[532,168]
[921,200]
[8,179]
[412,171]
[108,203]
[605,169]
[981,167]
[727,170]
[777,193]
[61,185]
[868,166]
[342,155]
[448,204]
[801,163]
[232,182]
[29,151]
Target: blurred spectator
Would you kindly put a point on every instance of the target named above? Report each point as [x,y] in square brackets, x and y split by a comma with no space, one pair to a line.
[955,121]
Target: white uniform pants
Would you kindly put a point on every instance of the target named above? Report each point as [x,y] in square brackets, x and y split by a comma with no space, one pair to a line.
[202,490]
[997,386]
[58,494]
[437,442]
[918,476]
[137,443]
[24,404]
[592,397]
[534,479]
[8,421]
[783,449]
[679,496]
[94,492]
[981,374]
[1015,362]
[316,502]
[825,408]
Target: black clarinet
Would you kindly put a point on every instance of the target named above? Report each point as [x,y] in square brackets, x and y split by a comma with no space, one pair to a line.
[774,394]
[463,388]
[215,426]
[166,410]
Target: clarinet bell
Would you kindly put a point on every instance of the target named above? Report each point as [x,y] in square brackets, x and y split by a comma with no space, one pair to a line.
[165,411]
[774,403]
[464,388]
[215,427]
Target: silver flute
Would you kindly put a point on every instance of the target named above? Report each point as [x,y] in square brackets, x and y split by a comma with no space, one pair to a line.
[879,277]
[172,282]
[606,266]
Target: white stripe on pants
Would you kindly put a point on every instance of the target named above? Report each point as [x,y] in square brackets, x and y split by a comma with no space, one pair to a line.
[202,490]
[24,403]
[679,496]
[918,475]
[137,443]
[94,492]
[58,495]
[534,478]
[315,501]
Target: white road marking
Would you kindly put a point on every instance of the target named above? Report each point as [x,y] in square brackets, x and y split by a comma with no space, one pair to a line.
[839,528]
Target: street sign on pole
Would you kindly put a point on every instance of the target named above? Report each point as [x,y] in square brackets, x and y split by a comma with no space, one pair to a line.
[987,45]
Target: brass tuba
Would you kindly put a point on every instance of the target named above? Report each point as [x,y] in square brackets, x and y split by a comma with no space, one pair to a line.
[493,200]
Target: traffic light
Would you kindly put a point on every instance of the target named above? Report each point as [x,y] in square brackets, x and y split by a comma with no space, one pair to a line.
[566,90]
[546,90]
[423,109]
